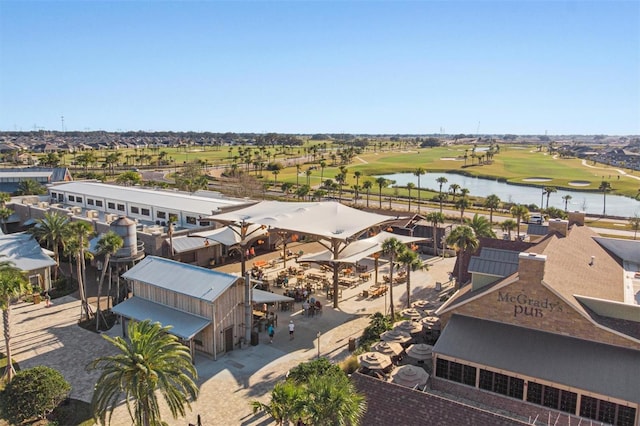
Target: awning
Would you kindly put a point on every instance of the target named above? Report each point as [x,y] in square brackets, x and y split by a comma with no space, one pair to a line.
[261,296]
[230,237]
[189,243]
[183,324]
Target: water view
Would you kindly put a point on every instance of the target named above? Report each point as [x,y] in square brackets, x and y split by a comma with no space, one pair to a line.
[590,202]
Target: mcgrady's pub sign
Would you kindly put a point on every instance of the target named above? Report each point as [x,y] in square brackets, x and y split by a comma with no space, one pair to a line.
[523,305]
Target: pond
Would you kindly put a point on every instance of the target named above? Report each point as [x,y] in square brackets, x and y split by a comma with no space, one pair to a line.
[589,202]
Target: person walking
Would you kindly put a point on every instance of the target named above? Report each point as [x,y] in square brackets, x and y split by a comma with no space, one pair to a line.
[292,328]
[271,332]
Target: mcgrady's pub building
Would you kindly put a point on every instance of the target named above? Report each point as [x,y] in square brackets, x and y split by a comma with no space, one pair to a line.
[551,333]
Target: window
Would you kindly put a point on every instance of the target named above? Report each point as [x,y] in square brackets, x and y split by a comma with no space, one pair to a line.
[90,201]
[442,368]
[191,220]
[568,402]
[551,397]
[121,207]
[486,380]
[469,375]
[588,407]
[78,199]
[626,416]
[111,205]
[135,210]
[502,384]
[205,223]
[146,212]
[161,215]
[54,195]
[455,371]
[60,197]
[72,198]
[516,388]
[99,203]
[605,411]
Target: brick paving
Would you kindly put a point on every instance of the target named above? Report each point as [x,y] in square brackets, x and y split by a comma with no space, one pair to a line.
[50,336]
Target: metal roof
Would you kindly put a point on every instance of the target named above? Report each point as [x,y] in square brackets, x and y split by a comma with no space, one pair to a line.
[261,296]
[186,243]
[479,265]
[183,324]
[500,255]
[24,251]
[25,174]
[190,280]
[534,229]
[608,370]
[180,201]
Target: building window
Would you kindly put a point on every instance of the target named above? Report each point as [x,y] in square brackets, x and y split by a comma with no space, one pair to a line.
[121,207]
[54,195]
[626,416]
[456,372]
[205,223]
[111,205]
[90,201]
[78,199]
[145,212]
[135,210]
[502,384]
[72,198]
[98,203]
[551,397]
[588,407]
[161,215]
[60,197]
[191,220]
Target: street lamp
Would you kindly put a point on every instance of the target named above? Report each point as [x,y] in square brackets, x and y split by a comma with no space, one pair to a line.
[318,336]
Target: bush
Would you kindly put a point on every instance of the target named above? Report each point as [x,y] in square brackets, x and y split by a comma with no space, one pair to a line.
[378,325]
[319,367]
[63,286]
[350,365]
[34,393]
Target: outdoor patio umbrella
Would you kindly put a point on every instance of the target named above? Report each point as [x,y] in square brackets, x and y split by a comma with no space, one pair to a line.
[431,323]
[410,376]
[420,351]
[388,348]
[408,326]
[422,305]
[411,313]
[374,361]
[395,336]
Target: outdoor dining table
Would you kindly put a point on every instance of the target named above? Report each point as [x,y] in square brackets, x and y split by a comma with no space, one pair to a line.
[349,281]
[365,276]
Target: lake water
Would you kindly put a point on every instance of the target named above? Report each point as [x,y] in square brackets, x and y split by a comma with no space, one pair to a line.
[589,202]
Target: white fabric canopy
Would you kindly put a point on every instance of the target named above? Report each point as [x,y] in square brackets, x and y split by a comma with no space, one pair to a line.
[261,296]
[328,219]
[358,249]
[229,237]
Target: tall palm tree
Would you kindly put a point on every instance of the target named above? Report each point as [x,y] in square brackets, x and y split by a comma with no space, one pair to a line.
[462,204]
[566,199]
[521,213]
[481,226]
[367,185]
[108,245]
[634,222]
[492,202]
[381,182]
[548,190]
[453,188]
[392,247]
[411,260]
[287,402]
[77,245]
[52,230]
[604,187]
[323,165]
[357,174]
[419,172]
[464,240]
[508,225]
[13,284]
[435,218]
[150,362]
[333,400]
[31,187]
[410,187]
[441,180]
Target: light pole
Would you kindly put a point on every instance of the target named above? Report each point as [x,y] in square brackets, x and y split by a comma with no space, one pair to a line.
[318,336]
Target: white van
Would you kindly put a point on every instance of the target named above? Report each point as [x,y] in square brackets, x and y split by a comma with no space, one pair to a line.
[535,218]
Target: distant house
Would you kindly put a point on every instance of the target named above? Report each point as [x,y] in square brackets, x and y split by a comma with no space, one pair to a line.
[10,178]
[27,255]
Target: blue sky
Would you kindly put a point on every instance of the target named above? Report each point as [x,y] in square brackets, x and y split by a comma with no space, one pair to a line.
[330,66]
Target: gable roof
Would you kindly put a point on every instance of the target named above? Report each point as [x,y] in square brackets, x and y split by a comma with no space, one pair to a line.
[193,281]
[24,252]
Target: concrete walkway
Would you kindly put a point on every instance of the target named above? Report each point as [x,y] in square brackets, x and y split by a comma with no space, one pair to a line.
[50,336]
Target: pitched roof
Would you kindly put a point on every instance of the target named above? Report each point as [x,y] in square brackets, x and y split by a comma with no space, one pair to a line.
[193,281]
[24,252]
[560,359]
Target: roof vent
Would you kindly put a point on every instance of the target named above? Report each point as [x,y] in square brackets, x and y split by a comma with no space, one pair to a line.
[593,261]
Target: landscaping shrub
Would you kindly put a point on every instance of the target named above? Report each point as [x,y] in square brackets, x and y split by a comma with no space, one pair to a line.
[34,393]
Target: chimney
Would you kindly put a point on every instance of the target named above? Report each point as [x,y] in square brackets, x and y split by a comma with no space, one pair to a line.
[576,218]
[560,226]
[531,267]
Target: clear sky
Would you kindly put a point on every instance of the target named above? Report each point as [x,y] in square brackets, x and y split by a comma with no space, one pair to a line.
[562,67]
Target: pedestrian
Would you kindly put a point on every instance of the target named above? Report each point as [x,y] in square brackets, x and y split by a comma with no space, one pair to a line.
[305,307]
[47,299]
[292,327]
[252,251]
[271,333]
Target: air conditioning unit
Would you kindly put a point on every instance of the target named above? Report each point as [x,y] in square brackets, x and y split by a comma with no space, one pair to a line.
[76,210]
[110,217]
[43,204]
[92,214]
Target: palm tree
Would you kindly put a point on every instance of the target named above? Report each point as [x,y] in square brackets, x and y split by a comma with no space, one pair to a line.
[410,187]
[435,218]
[464,240]
[635,224]
[30,187]
[604,187]
[566,199]
[419,172]
[508,225]
[323,165]
[382,182]
[287,402]
[151,361]
[453,188]
[333,400]
[76,246]
[441,180]
[521,213]
[492,202]
[52,230]
[108,245]
[367,185]
[5,213]
[462,204]
[411,260]
[548,190]
[392,247]
[357,174]
[13,284]
[481,226]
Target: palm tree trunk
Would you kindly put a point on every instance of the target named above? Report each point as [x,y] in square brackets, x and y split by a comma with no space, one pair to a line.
[99,315]
[392,310]
[408,287]
[9,371]
[81,289]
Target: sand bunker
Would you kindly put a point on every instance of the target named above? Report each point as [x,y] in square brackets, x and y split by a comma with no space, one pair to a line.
[449,159]
[537,179]
[579,183]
